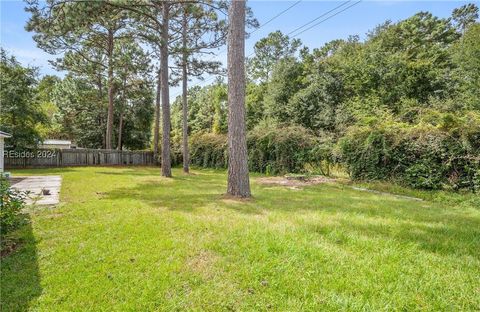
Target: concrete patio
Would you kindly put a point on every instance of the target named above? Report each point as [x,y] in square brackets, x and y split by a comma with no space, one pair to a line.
[37,188]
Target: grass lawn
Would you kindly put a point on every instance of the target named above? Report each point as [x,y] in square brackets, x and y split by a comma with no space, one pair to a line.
[125,239]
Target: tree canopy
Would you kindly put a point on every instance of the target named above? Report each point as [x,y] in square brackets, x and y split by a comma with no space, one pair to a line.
[358,102]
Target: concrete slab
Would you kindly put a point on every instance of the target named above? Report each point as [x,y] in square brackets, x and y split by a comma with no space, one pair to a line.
[35,186]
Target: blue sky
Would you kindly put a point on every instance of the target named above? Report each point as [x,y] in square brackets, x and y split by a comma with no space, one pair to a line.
[355,21]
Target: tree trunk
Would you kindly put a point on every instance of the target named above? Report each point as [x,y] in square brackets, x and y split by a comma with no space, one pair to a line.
[156,131]
[108,136]
[166,162]
[122,108]
[120,130]
[238,179]
[186,156]
[100,118]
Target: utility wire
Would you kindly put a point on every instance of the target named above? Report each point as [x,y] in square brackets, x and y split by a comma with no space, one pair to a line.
[304,25]
[276,16]
[267,22]
[326,19]
[225,50]
[318,17]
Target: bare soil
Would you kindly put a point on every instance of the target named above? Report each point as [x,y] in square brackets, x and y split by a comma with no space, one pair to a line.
[294,183]
[8,247]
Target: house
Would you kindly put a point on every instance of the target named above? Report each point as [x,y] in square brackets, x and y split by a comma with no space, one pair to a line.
[3,135]
[57,144]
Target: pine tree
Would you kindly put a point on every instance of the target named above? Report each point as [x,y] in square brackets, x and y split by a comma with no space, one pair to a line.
[238,177]
[198,22]
[81,27]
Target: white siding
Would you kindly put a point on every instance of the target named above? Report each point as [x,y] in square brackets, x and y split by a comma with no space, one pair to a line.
[54,146]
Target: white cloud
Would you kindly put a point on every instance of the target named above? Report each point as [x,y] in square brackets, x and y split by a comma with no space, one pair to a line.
[34,57]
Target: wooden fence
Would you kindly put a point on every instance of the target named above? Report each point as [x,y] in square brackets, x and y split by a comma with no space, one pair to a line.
[43,158]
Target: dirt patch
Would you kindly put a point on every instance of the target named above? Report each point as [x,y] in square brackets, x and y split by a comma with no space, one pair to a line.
[55,215]
[385,193]
[294,182]
[229,199]
[203,263]
[101,195]
[9,247]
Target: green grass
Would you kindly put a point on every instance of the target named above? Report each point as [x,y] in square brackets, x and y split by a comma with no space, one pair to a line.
[125,239]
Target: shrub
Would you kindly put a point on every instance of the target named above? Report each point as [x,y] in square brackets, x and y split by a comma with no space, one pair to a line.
[322,156]
[271,150]
[441,153]
[365,155]
[280,149]
[424,176]
[11,203]
[208,150]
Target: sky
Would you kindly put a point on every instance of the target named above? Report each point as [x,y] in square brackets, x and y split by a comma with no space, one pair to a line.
[356,20]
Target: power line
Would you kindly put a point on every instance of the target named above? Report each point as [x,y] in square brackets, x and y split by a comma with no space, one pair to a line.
[304,25]
[263,25]
[276,16]
[326,19]
[318,17]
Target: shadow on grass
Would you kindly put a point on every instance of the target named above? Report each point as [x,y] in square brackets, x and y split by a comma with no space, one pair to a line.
[153,172]
[41,171]
[20,276]
[335,199]
[184,193]
[170,196]
[127,172]
[454,237]
[432,227]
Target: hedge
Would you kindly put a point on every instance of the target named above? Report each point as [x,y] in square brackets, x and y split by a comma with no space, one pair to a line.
[424,156]
[437,154]
[271,150]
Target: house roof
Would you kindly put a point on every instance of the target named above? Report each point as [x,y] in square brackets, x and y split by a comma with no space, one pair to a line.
[5,135]
[57,142]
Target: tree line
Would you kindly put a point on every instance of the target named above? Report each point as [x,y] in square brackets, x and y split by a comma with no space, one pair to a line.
[109,50]
[400,104]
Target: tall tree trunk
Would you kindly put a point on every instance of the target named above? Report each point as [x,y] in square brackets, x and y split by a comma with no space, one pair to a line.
[186,157]
[120,130]
[108,136]
[156,130]
[238,179]
[166,162]
[124,105]
[100,118]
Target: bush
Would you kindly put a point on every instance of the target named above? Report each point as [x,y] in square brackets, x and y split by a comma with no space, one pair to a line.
[208,150]
[322,156]
[423,176]
[365,155]
[441,153]
[280,149]
[271,150]
[11,203]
